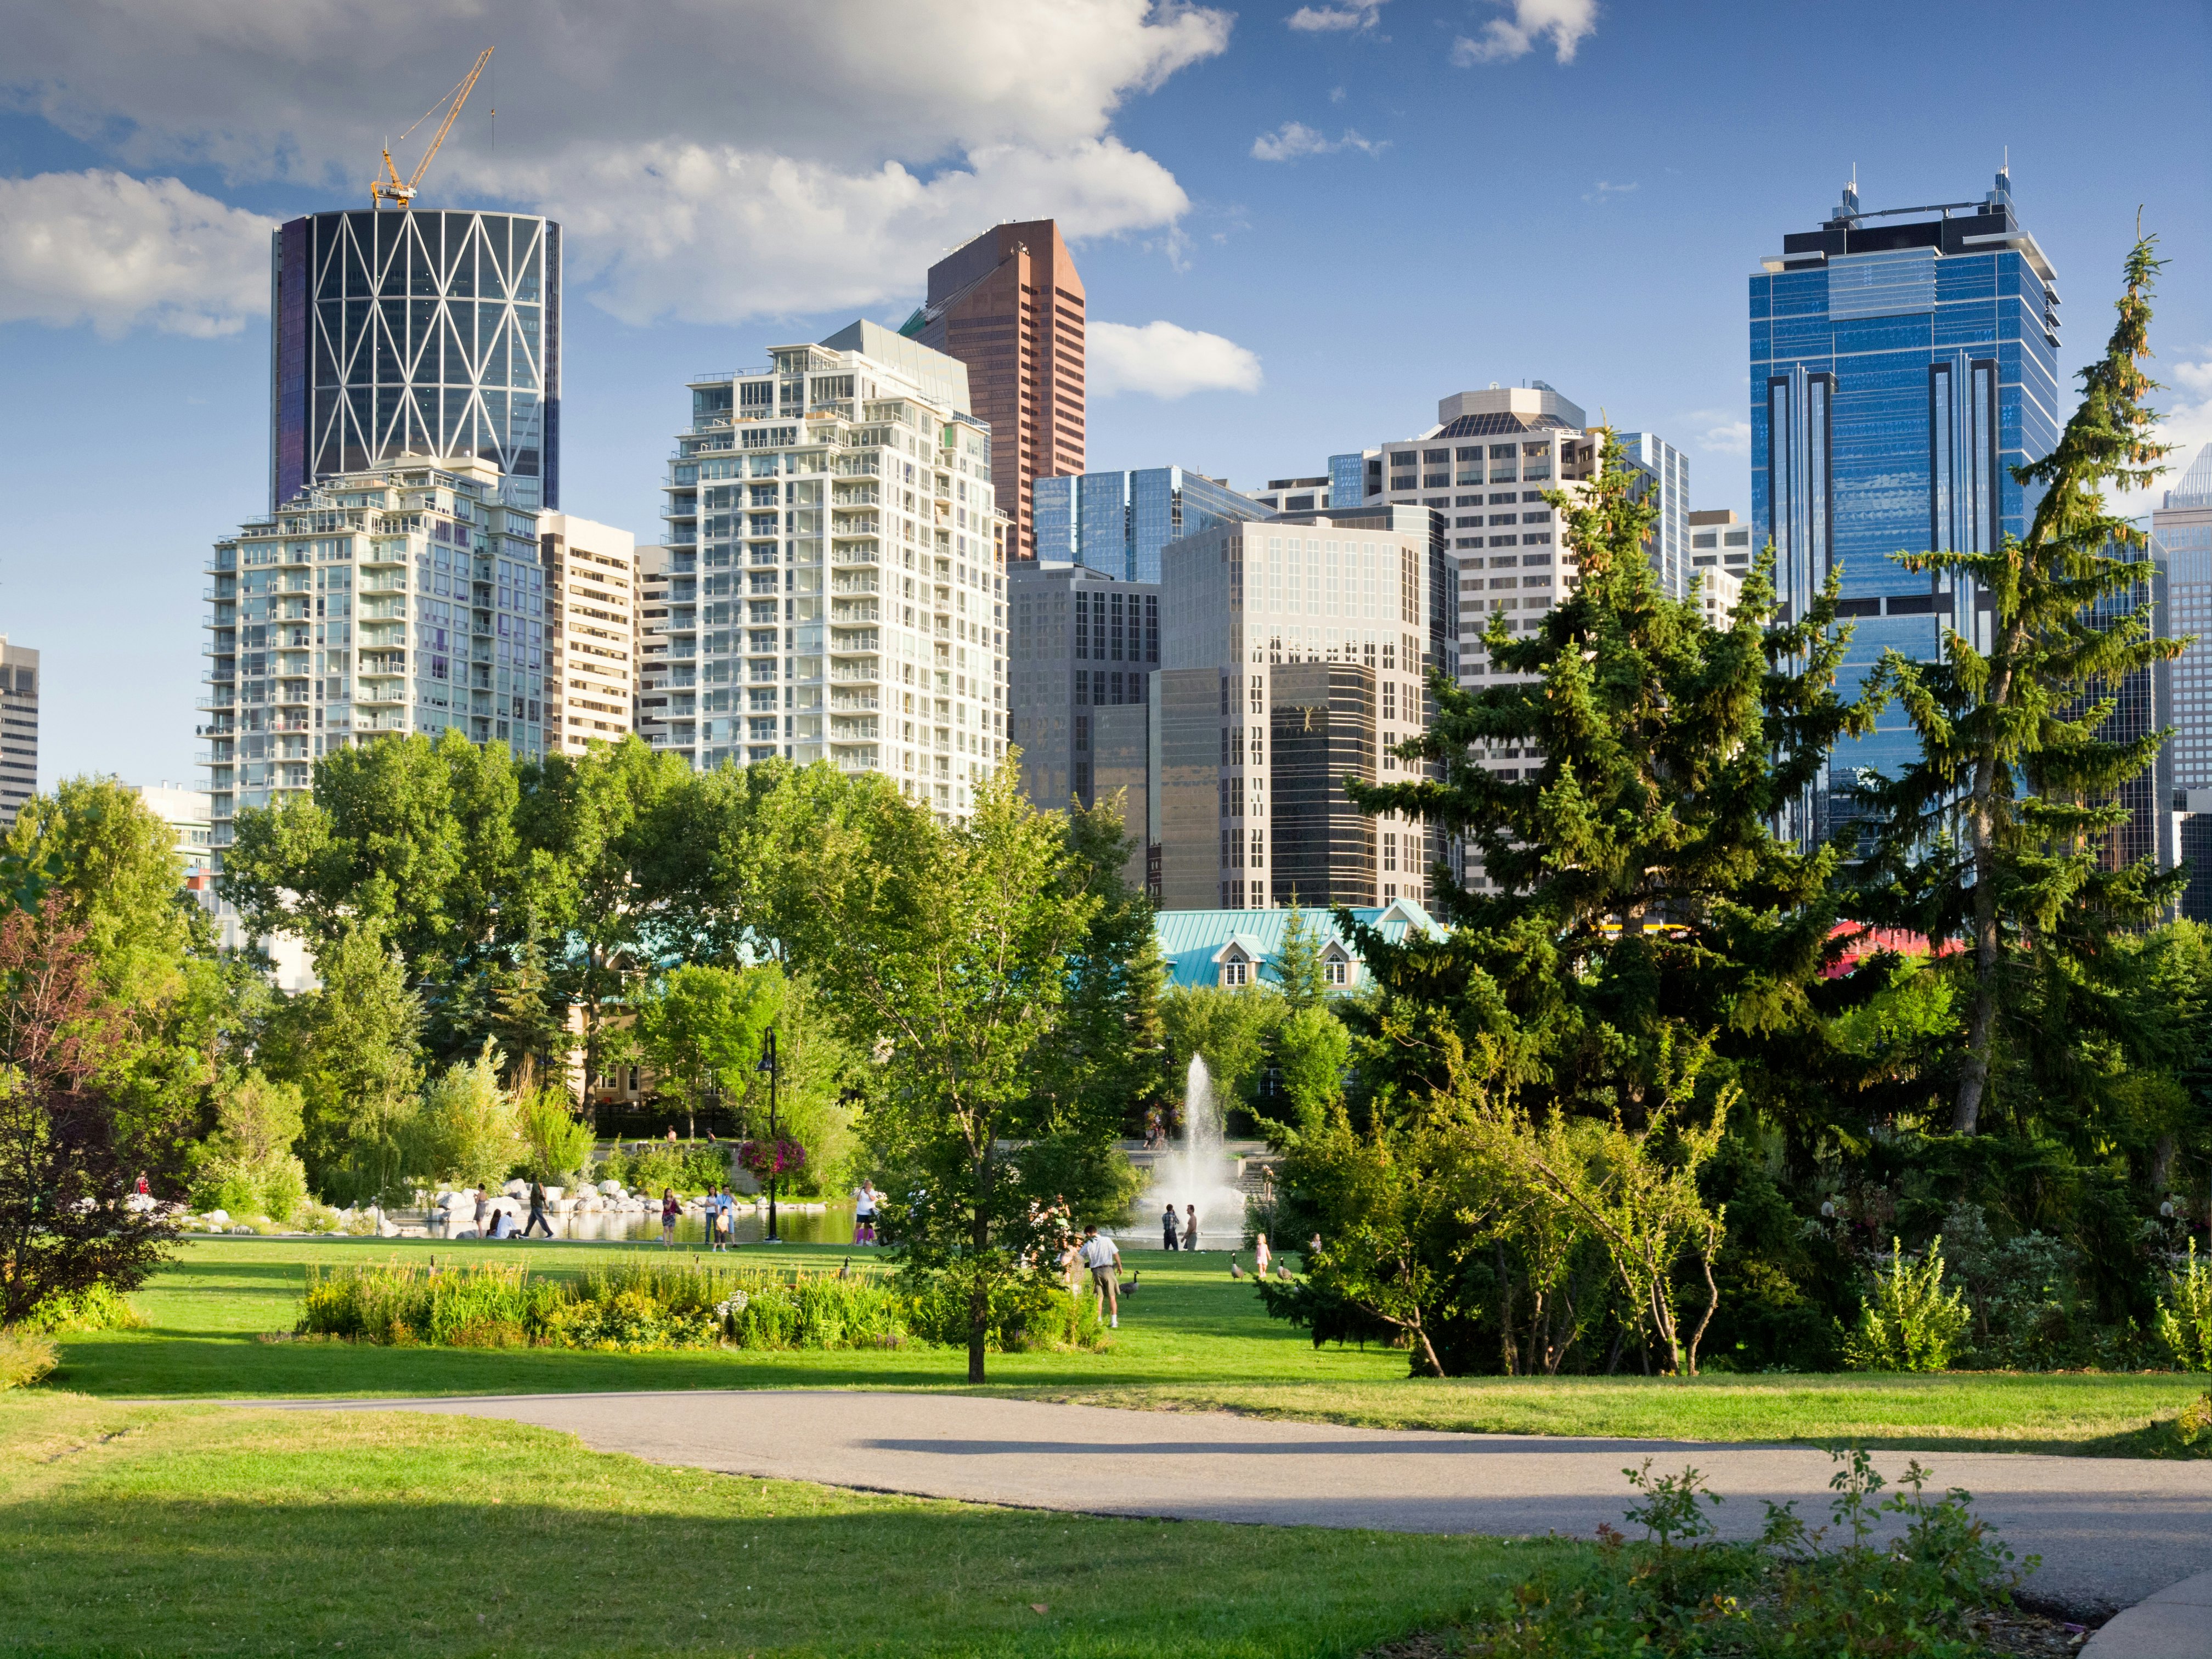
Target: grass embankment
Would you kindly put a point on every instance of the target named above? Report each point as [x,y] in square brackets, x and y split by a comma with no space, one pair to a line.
[143,1529]
[1192,1338]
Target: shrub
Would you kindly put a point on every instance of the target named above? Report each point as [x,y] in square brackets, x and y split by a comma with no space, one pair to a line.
[631,1307]
[557,1141]
[1912,1324]
[1828,1590]
[247,1167]
[1026,1314]
[2194,1421]
[489,1304]
[25,1356]
[466,1129]
[95,1307]
[2184,1315]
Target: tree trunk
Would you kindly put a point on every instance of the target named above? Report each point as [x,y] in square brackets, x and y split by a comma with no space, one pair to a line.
[1713,1301]
[1974,1075]
[978,1287]
[1428,1352]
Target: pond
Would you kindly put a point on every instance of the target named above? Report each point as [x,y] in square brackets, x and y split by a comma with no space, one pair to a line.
[830,1225]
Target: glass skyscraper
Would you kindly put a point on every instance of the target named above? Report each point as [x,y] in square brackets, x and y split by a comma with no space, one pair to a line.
[1116,523]
[425,334]
[1902,362]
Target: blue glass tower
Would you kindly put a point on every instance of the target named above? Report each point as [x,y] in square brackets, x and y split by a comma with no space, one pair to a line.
[1902,362]
[1116,523]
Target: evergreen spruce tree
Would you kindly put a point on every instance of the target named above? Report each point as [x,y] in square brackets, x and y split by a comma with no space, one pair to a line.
[1668,749]
[1998,835]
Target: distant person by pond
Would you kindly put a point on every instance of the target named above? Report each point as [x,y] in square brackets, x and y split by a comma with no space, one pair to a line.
[670,1209]
[1190,1226]
[537,1210]
[1169,1230]
[1260,1256]
[866,1199]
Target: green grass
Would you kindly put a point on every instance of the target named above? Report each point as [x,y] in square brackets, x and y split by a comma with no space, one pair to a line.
[165,1529]
[1192,1338]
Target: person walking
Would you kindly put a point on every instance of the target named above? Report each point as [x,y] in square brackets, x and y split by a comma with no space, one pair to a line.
[1190,1226]
[537,1209]
[1167,1229]
[670,1209]
[483,1210]
[1260,1257]
[865,1199]
[1100,1255]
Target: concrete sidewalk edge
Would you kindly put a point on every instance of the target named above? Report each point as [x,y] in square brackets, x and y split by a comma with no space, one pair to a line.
[2170,1625]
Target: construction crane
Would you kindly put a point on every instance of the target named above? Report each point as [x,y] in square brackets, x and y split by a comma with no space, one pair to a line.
[401,193]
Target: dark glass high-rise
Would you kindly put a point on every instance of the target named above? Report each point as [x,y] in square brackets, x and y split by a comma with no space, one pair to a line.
[426,333]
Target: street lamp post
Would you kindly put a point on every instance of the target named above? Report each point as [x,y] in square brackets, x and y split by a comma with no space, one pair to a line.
[775,1144]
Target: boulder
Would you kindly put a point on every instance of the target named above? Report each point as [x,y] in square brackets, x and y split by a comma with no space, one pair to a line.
[553,1194]
[216,1218]
[517,1187]
[612,1189]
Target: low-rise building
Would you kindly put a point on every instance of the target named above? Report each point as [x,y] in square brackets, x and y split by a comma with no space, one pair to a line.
[1234,949]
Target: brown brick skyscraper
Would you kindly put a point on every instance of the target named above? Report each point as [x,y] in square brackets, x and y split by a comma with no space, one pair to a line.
[1010,306]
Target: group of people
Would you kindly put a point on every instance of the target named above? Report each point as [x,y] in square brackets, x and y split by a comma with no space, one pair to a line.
[1179,1233]
[492,1222]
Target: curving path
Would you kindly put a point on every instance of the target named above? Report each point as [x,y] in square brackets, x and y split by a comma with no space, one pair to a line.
[2112,1531]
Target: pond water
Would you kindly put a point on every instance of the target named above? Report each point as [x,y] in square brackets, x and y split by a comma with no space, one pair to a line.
[833,1225]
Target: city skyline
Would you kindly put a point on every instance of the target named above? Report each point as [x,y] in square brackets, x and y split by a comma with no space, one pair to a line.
[1196,173]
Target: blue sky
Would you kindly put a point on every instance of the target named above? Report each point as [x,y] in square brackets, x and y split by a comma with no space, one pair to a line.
[1448,203]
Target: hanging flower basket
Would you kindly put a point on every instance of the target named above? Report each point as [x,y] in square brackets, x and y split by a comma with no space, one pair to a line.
[772,1157]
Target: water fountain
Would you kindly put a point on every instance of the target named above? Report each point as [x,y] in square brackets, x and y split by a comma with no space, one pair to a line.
[1196,1171]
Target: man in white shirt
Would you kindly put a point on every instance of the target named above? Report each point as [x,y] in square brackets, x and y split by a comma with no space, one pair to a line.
[1104,1257]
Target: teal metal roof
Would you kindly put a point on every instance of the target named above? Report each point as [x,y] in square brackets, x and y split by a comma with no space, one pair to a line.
[1192,940]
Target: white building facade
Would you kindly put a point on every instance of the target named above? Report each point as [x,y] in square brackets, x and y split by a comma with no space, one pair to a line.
[402,598]
[591,636]
[835,582]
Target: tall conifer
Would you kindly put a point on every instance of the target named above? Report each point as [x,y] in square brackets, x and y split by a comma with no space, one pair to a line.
[1996,835]
[1640,897]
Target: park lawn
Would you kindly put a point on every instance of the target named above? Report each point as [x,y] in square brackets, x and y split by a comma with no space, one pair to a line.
[136,1528]
[1191,1339]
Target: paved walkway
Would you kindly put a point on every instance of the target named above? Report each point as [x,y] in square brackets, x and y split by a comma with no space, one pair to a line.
[2111,1531]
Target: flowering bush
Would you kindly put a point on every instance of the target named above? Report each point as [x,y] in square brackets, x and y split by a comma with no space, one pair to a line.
[772,1157]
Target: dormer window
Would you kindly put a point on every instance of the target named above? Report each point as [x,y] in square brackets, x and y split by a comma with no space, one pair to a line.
[1337,971]
[1232,972]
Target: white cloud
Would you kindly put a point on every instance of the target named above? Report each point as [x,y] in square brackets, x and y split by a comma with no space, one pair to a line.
[1567,22]
[1165,360]
[1723,434]
[1294,138]
[1603,193]
[1322,19]
[2186,422]
[104,248]
[763,156]
[718,235]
